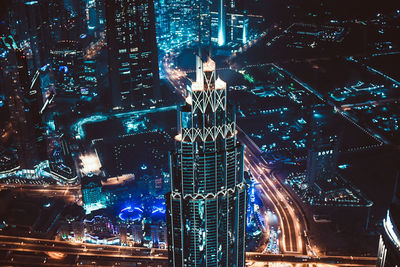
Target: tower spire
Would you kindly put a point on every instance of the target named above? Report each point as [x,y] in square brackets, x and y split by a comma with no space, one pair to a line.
[199,51]
[199,61]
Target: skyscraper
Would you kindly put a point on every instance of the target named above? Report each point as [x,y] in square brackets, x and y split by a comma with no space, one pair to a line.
[221,23]
[24,99]
[207,203]
[36,27]
[132,53]
[68,68]
[389,241]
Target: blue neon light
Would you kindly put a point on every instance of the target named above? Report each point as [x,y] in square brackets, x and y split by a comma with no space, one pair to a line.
[158,210]
[63,69]
[131,214]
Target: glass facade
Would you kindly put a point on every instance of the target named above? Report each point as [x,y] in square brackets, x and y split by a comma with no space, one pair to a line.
[132,53]
[207,202]
[24,98]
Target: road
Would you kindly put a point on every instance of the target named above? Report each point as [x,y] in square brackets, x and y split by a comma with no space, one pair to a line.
[70,194]
[26,251]
[293,224]
[17,250]
[292,229]
[293,258]
[290,215]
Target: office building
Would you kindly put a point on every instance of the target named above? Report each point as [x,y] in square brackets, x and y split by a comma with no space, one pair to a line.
[389,240]
[95,11]
[27,24]
[68,68]
[240,27]
[221,23]
[74,20]
[37,26]
[132,53]
[90,83]
[206,208]
[24,99]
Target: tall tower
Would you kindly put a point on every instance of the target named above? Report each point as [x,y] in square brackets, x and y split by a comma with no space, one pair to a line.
[207,203]
[24,100]
[221,23]
[68,69]
[132,53]
[389,240]
[245,27]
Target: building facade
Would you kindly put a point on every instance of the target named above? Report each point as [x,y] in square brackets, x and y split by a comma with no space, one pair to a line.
[68,68]
[24,99]
[322,159]
[92,195]
[389,241]
[206,215]
[132,53]
[323,151]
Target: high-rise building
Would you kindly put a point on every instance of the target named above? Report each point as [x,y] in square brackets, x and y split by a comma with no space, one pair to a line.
[221,22]
[206,215]
[90,84]
[37,26]
[178,22]
[389,241]
[74,19]
[68,68]
[240,27]
[27,25]
[132,53]
[96,13]
[61,162]
[162,21]
[205,32]
[24,99]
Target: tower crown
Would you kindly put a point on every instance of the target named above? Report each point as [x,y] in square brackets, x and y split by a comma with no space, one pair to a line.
[207,202]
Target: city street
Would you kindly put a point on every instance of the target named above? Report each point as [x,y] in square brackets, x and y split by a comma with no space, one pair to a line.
[20,250]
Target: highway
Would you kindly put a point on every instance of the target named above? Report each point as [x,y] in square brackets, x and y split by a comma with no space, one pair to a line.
[70,194]
[272,194]
[291,220]
[17,250]
[25,251]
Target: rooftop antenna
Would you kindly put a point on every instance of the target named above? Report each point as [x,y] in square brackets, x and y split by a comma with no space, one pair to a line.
[199,52]
[199,61]
[209,31]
